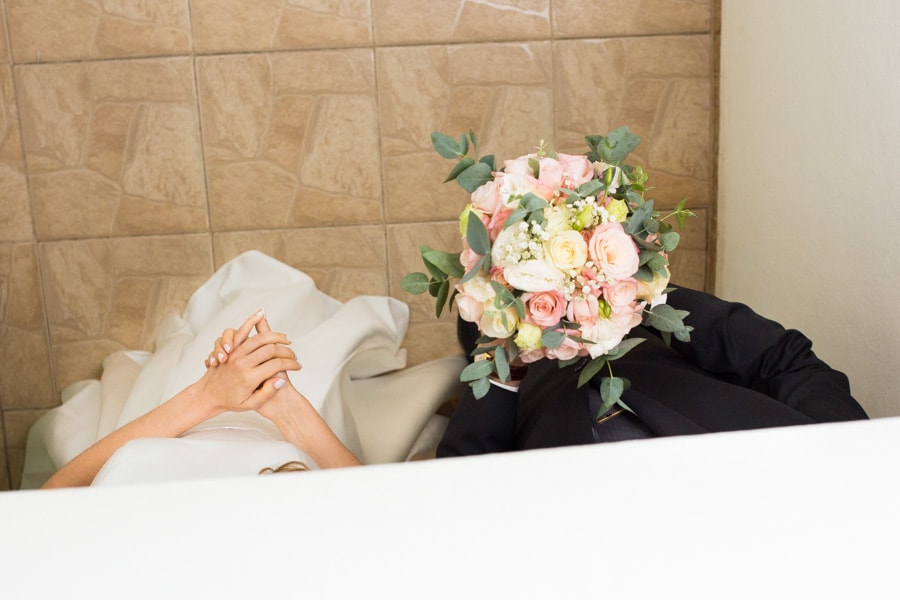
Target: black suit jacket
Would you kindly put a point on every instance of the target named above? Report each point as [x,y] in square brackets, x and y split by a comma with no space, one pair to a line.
[739,371]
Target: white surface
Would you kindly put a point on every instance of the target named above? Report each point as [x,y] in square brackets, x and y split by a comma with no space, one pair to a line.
[806,512]
[809,189]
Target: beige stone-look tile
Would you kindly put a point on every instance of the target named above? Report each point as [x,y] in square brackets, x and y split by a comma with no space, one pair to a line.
[52,30]
[17,424]
[25,376]
[4,51]
[113,148]
[417,22]
[4,472]
[503,92]
[291,140]
[658,86]
[15,216]
[588,18]
[246,25]
[111,294]
[345,262]
[428,341]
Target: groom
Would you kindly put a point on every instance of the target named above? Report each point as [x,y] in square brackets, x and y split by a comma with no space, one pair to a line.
[739,371]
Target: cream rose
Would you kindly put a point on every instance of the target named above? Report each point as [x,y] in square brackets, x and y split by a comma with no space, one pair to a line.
[469,308]
[567,250]
[500,323]
[650,291]
[479,287]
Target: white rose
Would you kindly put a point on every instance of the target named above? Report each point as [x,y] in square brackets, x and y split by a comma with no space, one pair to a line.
[567,249]
[505,248]
[605,335]
[534,276]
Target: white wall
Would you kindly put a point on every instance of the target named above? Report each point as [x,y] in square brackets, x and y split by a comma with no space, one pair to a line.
[809,182]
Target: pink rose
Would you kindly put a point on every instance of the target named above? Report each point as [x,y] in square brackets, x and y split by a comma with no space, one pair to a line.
[530,356]
[583,311]
[468,258]
[613,251]
[568,350]
[621,293]
[519,166]
[550,173]
[544,308]
[577,168]
[496,222]
[487,197]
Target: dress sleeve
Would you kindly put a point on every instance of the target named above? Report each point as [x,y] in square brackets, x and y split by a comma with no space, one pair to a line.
[737,345]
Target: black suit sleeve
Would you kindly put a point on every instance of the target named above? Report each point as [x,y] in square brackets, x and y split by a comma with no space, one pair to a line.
[734,343]
[482,425]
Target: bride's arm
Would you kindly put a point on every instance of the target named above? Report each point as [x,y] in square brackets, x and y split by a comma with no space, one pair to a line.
[248,380]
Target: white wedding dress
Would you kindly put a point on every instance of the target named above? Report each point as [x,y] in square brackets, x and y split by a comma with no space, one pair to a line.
[353,365]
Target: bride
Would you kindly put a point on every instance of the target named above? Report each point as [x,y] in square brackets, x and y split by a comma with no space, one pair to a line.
[161,416]
[244,373]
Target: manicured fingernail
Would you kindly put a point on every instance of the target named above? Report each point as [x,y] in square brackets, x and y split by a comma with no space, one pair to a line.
[220,356]
[289,340]
[227,347]
[279,383]
[260,313]
[212,362]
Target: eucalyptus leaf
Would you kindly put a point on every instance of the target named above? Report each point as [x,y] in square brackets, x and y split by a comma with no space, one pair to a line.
[532,202]
[489,161]
[415,283]
[590,187]
[616,145]
[444,145]
[441,300]
[461,166]
[501,363]
[665,318]
[553,338]
[611,389]
[474,176]
[477,236]
[591,369]
[669,241]
[635,222]
[474,141]
[477,370]
[445,261]
[481,387]
[623,348]
[463,144]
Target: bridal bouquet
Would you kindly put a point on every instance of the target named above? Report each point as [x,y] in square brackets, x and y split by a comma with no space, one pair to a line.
[562,257]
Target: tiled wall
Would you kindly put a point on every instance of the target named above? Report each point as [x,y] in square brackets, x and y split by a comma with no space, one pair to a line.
[142,144]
